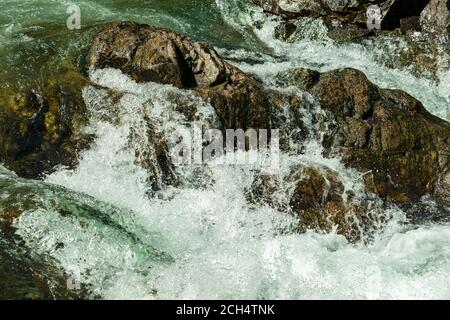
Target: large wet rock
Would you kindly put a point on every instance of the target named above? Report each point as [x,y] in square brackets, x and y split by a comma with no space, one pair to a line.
[148,53]
[403,150]
[43,127]
[400,149]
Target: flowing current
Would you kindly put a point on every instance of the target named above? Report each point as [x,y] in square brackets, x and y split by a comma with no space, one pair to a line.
[201,238]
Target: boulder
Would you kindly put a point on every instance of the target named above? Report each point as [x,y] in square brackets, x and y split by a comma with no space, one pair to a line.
[154,54]
[387,134]
[20,281]
[240,102]
[42,127]
[402,150]
[148,53]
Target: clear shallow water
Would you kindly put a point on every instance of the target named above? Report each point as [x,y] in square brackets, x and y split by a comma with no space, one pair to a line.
[221,246]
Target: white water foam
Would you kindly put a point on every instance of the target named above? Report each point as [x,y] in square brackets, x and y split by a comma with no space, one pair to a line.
[225,248]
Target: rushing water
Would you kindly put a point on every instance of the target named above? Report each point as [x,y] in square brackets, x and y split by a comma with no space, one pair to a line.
[202,238]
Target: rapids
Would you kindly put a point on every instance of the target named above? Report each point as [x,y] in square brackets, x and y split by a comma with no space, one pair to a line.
[202,239]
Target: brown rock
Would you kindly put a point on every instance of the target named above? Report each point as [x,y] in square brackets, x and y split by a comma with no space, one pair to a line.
[302,78]
[386,132]
[239,102]
[153,54]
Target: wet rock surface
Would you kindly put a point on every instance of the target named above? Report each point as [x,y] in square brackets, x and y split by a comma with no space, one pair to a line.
[148,53]
[318,198]
[42,127]
[22,278]
[422,54]
[154,54]
[401,150]
[386,133]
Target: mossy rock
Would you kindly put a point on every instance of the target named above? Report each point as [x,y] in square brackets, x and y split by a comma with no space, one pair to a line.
[41,128]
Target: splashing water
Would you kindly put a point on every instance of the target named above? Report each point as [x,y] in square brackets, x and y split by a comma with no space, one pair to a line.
[220,245]
[223,247]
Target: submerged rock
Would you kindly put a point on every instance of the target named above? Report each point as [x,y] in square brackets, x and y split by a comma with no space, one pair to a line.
[289,9]
[48,229]
[148,53]
[24,277]
[152,154]
[42,128]
[349,33]
[317,197]
[421,55]
[443,189]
